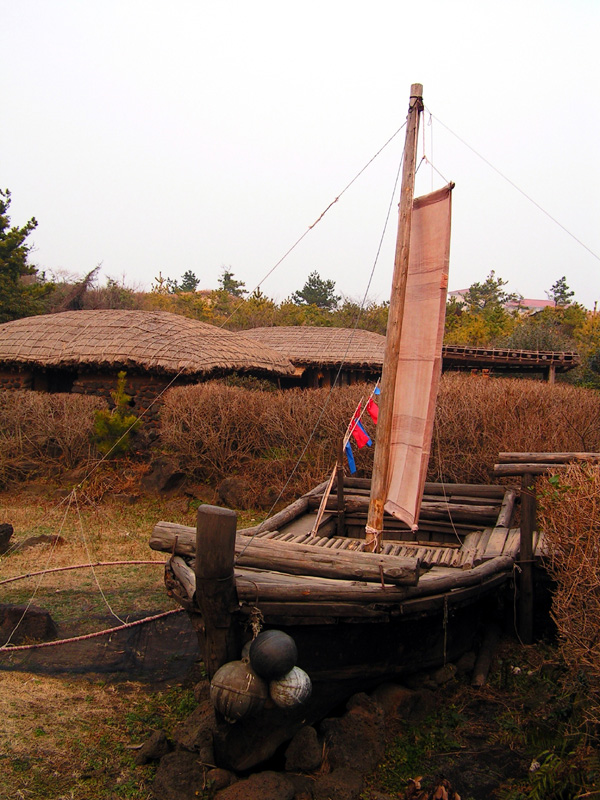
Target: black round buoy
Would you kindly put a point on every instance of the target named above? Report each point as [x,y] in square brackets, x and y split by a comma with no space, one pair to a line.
[273,654]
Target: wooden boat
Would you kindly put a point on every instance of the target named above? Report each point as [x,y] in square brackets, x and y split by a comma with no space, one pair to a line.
[361,608]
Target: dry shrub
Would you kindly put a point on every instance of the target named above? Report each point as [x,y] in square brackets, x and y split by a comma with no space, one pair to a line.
[479,417]
[220,430]
[49,429]
[569,515]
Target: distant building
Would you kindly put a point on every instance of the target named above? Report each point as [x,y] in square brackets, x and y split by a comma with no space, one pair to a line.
[521,305]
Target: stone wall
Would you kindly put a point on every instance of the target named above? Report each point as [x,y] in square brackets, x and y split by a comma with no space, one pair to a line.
[15,379]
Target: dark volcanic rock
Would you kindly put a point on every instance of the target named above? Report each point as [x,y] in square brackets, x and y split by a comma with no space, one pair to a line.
[153,749]
[6,531]
[180,776]
[260,786]
[35,624]
[165,476]
[235,492]
[196,732]
[341,784]
[356,740]
[305,752]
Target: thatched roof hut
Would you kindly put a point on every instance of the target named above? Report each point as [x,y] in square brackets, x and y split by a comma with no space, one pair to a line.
[318,352]
[152,341]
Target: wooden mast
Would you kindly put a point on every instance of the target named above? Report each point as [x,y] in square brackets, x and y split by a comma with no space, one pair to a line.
[394,327]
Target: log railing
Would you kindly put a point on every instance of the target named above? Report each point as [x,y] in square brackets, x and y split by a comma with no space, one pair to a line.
[528,466]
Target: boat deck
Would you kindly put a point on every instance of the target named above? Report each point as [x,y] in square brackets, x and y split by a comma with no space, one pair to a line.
[466,552]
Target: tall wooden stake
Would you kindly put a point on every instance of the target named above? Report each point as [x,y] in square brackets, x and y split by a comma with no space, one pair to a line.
[394,327]
[215,583]
[528,522]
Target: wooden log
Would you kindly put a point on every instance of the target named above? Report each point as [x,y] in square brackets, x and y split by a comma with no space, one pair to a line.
[546,458]
[298,559]
[215,584]
[254,586]
[512,470]
[185,575]
[288,513]
[444,489]
[507,509]
[430,510]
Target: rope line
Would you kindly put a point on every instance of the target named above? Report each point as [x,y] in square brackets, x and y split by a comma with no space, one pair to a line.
[518,188]
[339,371]
[87,550]
[5,648]
[78,566]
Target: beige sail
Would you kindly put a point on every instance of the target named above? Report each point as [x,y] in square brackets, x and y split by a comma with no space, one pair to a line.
[420,363]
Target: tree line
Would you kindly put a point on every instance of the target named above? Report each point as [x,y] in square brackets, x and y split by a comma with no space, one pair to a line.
[486,315]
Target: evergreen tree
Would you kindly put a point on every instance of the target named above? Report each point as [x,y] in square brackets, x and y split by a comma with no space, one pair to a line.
[560,293]
[317,292]
[189,282]
[228,284]
[22,289]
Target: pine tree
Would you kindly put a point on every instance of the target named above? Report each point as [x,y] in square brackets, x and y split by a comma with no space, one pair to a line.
[22,289]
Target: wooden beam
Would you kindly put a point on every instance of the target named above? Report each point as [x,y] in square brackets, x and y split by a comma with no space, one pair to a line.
[528,515]
[215,584]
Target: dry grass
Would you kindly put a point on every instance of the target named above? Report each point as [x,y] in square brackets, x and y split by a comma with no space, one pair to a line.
[570,518]
[90,532]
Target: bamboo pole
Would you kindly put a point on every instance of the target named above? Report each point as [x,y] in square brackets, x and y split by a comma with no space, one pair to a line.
[394,328]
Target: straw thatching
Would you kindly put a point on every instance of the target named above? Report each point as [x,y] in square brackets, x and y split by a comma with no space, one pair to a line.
[151,341]
[327,347]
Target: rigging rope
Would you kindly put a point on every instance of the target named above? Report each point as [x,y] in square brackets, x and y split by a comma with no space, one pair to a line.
[5,647]
[518,188]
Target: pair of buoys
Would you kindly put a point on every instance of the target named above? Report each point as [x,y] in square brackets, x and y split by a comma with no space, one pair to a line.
[267,668]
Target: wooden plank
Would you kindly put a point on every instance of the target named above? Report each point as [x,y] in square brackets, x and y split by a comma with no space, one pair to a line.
[496,543]
[513,543]
[479,555]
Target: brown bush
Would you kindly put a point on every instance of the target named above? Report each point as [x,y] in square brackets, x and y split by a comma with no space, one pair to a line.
[221,430]
[569,515]
[478,417]
[47,429]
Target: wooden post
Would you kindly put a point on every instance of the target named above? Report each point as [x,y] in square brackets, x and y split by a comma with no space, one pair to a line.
[528,514]
[341,517]
[394,326]
[215,583]
[552,373]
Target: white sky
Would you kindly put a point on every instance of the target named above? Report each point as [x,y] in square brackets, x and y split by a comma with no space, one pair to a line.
[161,137]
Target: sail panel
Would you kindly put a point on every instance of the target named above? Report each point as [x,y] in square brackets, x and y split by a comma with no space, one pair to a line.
[420,362]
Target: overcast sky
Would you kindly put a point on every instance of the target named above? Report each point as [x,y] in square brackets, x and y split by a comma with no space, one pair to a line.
[156,137]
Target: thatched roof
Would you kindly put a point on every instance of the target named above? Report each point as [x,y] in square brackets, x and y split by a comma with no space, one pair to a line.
[153,341]
[305,345]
